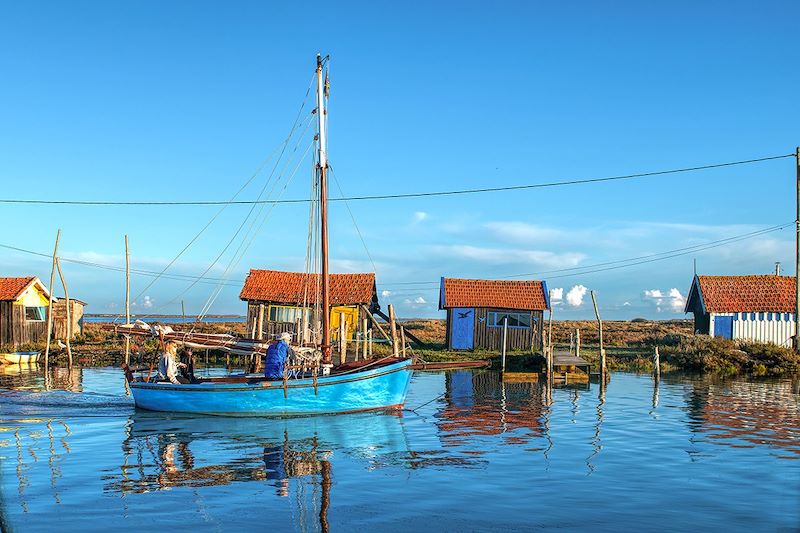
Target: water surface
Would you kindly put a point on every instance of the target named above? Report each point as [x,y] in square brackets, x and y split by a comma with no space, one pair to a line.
[473,454]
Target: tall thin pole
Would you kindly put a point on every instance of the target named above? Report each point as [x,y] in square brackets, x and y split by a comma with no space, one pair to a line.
[68,310]
[600,334]
[797,252]
[127,300]
[50,305]
[323,213]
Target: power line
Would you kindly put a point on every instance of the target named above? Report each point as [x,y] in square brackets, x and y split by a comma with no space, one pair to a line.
[612,265]
[564,272]
[401,195]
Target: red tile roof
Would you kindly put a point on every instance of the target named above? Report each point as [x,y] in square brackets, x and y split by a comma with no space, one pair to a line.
[526,295]
[12,288]
[298,287]
[732,294]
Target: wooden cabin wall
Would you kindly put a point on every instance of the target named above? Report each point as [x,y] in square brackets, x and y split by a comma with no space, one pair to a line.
[60,319]
[15,330]
[272,329]
[490,338]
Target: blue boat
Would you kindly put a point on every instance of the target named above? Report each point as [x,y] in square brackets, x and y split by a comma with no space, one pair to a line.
[319,387]
[380,385]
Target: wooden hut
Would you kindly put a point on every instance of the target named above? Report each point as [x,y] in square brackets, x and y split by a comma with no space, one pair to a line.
[755,308]
[278,301]
[477,309]
[24,305]
[60,318]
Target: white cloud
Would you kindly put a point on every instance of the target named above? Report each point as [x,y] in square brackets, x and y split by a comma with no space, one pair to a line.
[147,303]
[677,301]
[385,293]
[575,295]
[626,304]
[673,300]
[505,256]
[522,231]
[419,300]
[419,216]
[556,296]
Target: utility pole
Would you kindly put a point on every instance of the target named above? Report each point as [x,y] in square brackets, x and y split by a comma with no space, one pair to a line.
[797,250]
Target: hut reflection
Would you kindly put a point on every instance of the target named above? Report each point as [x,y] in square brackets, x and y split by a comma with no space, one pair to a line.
[747,413]
[479,403]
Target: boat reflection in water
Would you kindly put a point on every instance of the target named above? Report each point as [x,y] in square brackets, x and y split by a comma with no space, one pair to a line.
[162,453]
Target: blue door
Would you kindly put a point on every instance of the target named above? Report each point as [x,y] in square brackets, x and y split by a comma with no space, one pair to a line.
[723,327]
[462,328]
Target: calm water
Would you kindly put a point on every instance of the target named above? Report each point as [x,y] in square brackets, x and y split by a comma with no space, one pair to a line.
[694,453]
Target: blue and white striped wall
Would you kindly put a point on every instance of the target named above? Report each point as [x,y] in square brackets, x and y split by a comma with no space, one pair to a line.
[776,328]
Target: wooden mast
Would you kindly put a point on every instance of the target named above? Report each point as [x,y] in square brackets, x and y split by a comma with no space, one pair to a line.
[323,211]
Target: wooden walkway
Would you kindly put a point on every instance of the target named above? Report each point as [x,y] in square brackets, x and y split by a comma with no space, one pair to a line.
[569,367]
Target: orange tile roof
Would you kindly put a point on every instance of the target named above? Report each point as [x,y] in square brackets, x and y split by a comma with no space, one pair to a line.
[12,288]
[732,294]
[502,294]
[299,287]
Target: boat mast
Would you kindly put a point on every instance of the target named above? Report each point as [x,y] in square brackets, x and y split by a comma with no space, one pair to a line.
[323,210]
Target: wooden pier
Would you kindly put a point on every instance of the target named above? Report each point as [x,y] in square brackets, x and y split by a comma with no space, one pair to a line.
[570,368]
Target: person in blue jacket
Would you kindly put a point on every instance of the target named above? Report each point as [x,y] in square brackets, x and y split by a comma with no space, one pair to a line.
[276,356]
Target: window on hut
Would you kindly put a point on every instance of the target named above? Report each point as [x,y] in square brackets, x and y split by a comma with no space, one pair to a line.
[285,313]
[515,320]
[35,314]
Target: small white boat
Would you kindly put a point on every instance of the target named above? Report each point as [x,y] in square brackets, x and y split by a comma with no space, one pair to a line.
[19,358]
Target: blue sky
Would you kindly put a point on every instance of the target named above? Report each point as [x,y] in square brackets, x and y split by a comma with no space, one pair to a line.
[185,100]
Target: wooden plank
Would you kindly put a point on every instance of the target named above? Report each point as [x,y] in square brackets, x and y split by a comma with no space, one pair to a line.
[520,377]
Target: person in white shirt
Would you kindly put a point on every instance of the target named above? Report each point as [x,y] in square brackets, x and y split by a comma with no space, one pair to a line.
[168,365]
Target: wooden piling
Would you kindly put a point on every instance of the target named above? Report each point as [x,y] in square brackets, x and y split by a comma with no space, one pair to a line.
[600,335]
[364,343]
[342,339]
[656,364]
[577,342]
[370,342]
[505,339]
[69,313]
[259,334]
[127,301]
[50,305]
[393,325]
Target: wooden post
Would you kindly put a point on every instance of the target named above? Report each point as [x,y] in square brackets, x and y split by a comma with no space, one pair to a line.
[577,342]
[127,301]
[183,313]
[403,339]
[505,338]
[393,325]
[377,325]
[50,305]
[370,342]
[364,344]
[550,342]
[260,323]
[600,334]
[69,313]
[342,339]
[797,256]
[571,342]
[656,364]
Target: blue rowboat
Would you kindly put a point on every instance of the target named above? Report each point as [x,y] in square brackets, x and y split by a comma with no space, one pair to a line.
[371,388]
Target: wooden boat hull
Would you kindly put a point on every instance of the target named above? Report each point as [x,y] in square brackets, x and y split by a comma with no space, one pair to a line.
[19,358]
[383,387]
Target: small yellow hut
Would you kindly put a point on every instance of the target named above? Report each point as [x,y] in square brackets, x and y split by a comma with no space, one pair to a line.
[24,305]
